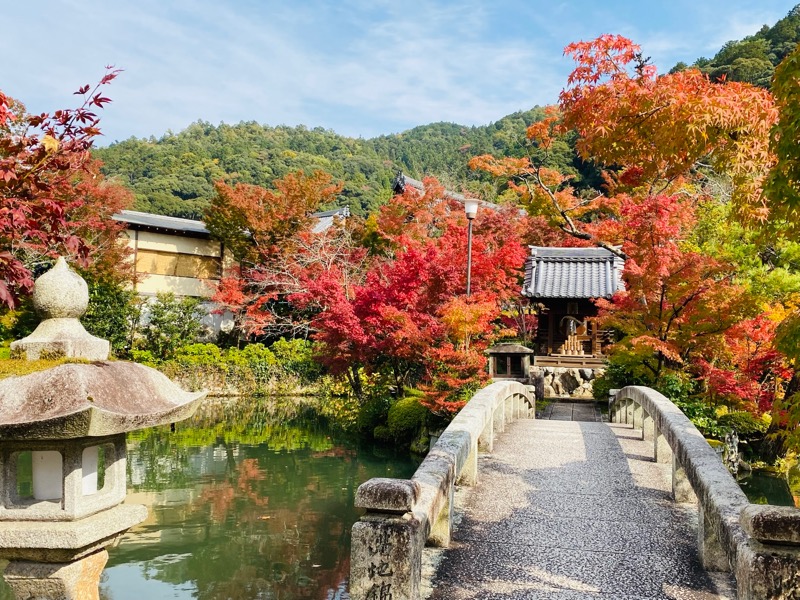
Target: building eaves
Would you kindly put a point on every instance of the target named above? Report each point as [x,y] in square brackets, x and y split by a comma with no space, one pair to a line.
[162,223]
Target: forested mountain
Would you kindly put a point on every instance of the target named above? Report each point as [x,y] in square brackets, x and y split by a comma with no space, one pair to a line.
[754,58]
[175,174]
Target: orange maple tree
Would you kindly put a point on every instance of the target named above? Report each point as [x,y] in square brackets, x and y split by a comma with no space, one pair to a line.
[677,301]
[657,129]
[653,134]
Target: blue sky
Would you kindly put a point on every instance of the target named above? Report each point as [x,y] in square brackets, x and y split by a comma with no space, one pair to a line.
[359,67]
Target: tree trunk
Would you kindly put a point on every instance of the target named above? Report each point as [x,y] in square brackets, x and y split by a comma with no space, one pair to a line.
[354,380]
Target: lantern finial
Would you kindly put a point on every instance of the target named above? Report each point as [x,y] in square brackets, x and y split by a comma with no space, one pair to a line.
[60,297]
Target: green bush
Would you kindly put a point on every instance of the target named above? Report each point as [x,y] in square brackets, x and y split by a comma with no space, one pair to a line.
[743,423]
[617,375]
[199,354]
[143,356]
[112,313]
[626,369]
[382,433]
[406,419]
[704,417]
[296,357]
[373,413]
[171,322]
[255,354]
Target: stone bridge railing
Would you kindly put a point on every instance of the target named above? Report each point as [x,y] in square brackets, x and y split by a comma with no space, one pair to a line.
[402,515]
[759,544]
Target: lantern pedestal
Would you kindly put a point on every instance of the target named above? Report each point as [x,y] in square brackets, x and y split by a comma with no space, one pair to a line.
[77,580]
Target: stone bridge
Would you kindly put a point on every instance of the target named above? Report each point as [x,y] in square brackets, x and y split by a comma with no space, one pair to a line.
[638,508]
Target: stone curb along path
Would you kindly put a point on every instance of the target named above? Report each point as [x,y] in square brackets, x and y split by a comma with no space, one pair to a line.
[571,511]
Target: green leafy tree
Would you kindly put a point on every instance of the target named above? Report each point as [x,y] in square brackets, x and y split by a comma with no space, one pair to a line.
[170,323]
[112,312]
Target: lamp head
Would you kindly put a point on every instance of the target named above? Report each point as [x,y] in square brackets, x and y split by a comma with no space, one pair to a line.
[471,208]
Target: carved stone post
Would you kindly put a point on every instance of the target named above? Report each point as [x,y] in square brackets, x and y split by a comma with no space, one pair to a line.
[386,551]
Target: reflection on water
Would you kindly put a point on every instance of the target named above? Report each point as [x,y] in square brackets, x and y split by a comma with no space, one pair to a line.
[763,487]
[250,500]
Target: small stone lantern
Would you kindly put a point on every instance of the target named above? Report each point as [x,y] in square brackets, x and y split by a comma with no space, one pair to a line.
[509,361]
[63,450]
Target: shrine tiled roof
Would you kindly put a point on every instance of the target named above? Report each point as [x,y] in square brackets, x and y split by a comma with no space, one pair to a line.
[572,273]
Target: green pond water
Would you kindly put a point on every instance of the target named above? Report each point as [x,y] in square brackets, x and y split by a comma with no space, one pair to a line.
[250,500]
[763,487]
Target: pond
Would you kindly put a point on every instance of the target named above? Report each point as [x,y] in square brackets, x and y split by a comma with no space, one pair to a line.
[247,500]
[765,487]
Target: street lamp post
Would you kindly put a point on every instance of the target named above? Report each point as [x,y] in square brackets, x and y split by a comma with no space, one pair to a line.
[471,210]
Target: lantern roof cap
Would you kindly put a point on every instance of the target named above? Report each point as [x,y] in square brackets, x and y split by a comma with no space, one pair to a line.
[90,400]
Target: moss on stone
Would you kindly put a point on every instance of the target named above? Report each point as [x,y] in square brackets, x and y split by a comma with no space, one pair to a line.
[18,366]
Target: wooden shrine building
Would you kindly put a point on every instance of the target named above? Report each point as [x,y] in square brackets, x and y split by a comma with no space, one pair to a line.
[563,282]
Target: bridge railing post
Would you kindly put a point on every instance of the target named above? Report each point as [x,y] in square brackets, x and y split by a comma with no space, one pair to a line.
[386,547]
[648,426]
[662,453]
[709,547]
[638,416]
[469,472]
[681,487]
[773,569]
[613,406]
[629,411]
[486,439]
[499,418]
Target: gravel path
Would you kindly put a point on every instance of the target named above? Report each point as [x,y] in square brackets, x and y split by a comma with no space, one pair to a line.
[571,511]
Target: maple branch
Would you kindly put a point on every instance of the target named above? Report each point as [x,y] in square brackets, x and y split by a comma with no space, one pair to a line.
[568,226]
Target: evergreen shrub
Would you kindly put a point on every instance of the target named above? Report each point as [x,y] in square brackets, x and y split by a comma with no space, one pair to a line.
[406,419]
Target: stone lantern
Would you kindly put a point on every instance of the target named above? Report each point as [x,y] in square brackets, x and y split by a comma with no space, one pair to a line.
[63,451]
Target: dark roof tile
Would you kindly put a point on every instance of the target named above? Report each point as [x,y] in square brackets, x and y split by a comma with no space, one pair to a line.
[572,273]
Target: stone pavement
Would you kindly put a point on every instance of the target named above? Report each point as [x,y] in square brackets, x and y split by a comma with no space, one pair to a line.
[571,411]
[572,511]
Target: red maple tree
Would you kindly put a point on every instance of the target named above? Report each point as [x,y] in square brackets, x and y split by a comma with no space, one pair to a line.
[53,200]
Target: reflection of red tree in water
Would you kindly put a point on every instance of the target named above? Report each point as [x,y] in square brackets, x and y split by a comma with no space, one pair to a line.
[221,495]
[292,540]
[336,451]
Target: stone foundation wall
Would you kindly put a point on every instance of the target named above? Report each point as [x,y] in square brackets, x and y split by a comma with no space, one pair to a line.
[563,382]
